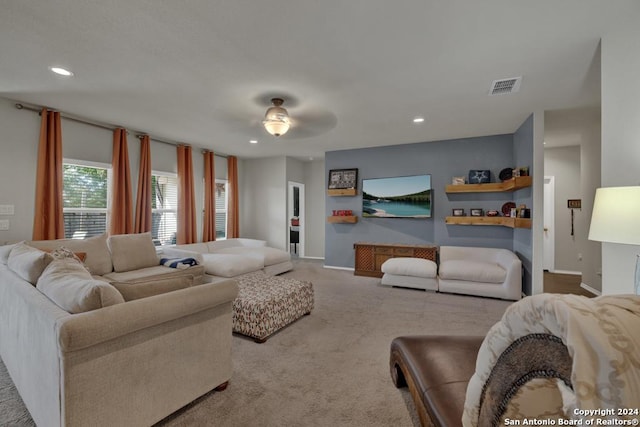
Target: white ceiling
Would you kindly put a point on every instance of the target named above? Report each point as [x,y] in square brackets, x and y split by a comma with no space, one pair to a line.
[353,73]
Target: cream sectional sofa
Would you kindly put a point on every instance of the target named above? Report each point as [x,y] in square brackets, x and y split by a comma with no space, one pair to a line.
[488,272]
[224,259]
[111,362]
[129,262]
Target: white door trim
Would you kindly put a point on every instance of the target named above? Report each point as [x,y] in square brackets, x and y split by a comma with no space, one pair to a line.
[301,215]
[549,251]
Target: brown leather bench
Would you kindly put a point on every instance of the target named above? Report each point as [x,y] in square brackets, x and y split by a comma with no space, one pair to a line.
[437,370]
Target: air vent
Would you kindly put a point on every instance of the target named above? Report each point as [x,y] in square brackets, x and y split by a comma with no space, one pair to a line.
[504,86]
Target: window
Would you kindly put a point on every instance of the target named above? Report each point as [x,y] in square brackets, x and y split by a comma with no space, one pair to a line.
[85,196]
[164,208]
[221,209]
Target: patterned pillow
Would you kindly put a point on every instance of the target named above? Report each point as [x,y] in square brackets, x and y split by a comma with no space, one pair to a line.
[63,252]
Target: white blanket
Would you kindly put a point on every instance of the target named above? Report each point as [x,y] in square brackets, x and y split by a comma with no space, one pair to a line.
[602,336]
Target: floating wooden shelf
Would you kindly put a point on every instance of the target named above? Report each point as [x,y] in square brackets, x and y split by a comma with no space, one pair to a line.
[341,219]
[342,192]
[512,184]
[503,221]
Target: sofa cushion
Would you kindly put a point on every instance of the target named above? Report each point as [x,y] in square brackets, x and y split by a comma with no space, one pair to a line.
[132,252]
[146,282]
[231,265]
[472,271]
[28,262]
[271,255]
[98,257]
[415,267]
[70,286]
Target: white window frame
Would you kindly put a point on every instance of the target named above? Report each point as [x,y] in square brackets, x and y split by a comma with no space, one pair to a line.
[97,165]
[225,211]
[163,210]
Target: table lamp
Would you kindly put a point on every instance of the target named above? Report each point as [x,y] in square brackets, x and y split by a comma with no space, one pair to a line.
[616,219]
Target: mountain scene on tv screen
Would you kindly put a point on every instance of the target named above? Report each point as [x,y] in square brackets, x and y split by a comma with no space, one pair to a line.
[402,197]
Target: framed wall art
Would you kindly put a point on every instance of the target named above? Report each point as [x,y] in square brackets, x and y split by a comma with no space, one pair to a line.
[343,178]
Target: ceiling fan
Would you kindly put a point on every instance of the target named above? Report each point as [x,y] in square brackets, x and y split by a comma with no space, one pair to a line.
[289,117]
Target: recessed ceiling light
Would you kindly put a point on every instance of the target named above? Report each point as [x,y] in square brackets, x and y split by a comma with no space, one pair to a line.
[253,141]
[418,120]
[61,71]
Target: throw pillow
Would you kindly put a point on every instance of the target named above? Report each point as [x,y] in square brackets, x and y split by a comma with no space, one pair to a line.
[28,262]
[132,252]
[4,253]
[63,252]
[98,258]
[70,286]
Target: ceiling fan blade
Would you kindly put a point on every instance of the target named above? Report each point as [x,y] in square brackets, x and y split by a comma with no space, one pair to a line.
[311,123]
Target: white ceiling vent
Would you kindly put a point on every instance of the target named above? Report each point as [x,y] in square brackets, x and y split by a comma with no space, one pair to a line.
[504,86]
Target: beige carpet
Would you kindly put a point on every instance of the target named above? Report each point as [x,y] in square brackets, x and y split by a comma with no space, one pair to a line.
[327,369]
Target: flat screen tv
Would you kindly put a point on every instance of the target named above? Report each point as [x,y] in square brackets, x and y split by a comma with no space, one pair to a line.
[397,197]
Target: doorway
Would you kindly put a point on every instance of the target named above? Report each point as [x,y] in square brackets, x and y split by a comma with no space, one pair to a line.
[548,245]
[296,219]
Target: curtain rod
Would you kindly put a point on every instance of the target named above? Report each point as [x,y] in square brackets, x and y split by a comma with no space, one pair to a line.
[101,125]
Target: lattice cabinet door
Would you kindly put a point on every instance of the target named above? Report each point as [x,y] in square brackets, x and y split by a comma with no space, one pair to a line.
[365,260]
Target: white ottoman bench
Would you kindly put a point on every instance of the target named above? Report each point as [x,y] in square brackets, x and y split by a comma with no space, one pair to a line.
[410,273]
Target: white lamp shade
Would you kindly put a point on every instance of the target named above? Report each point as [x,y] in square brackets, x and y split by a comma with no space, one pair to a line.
[276,119]
[276,127]
[616,215]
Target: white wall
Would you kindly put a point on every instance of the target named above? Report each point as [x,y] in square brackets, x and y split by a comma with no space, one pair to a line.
[315,187]
[581,127]
[590,160]
[563,163]
[620,141]
[264,200]
[263,194]
[18,162]
[19,154]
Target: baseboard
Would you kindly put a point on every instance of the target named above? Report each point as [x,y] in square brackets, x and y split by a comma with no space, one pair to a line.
[333,267]
[575,273]
[311,257]
[590,289]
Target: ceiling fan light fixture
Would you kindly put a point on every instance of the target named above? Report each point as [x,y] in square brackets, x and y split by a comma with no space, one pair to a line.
[276,119]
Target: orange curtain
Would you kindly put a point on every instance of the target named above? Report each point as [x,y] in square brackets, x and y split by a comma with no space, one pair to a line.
[186,198]
[233,215]
[209,223]
[48,223]
[121,218]
[144,195]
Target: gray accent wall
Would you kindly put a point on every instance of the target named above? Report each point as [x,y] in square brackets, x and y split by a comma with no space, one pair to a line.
[442,160]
